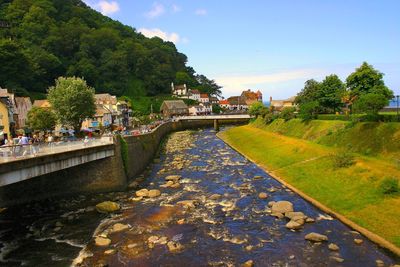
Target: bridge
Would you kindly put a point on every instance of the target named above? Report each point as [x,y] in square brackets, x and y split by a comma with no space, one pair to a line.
[104,165]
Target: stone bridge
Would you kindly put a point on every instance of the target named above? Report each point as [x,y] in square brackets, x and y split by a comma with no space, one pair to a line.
[98,168]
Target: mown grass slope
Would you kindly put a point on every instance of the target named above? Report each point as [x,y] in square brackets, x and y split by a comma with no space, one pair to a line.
[307,164]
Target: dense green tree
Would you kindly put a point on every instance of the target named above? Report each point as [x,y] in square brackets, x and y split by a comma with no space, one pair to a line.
[309,110]
[256,109]
[67,38]
[331,92]
[73,101]
[370,103]
[42,119]
[310,92]
[288,113]
[365,80]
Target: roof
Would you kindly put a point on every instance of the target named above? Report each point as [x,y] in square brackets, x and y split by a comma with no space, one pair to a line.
[106,99]
[224,102]
[100,111]
[250,95]
[180,87]
[235,100]
[203,95]
[20,101]
[213,98]
[195,91]
[42,103]
[173,104]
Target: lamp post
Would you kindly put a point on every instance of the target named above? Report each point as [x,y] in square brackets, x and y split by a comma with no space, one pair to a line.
[397,108]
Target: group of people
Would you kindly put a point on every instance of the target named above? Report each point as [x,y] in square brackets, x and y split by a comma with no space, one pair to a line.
[22,145]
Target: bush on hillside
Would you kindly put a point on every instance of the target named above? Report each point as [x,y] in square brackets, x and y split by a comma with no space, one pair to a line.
[309,110]
[343,159]
[288,113]
[269,118]
[389,185]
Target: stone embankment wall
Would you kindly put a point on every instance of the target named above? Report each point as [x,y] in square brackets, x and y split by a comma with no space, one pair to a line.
[104,175]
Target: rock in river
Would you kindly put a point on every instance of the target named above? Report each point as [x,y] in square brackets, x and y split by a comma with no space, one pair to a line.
[154,193]
[174,178]
[102,241]
[315,237]
[333,247]
[174,247]
[142,193]
[119,227]
[107,207]
[263,195]
[281,207]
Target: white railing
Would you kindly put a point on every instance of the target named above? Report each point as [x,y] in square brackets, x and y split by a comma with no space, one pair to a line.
[18,152]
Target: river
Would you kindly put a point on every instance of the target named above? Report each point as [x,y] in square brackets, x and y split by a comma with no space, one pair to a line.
[220,220]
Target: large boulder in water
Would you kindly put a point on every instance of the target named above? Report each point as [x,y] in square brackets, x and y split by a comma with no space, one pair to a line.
[281,207]
[154,193]
[142,193]
[107,207]
[315,237]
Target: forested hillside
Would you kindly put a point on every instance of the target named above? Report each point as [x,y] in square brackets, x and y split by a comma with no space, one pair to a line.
[41,40]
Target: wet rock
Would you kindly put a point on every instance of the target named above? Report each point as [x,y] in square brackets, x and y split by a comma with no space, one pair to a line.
[215,196]
[102,241]
[107,207]
[315,237]
[262,195]
[358,241]
[181,221]
[167,184]
[133,185]
[154,193]
[337,259]
[174,247]
[109,252]
[380,263]
[291,257]
[271,203]
[136,198]
[142,193]
[295,224]
[257,177]
[187,203]
[281,207]
[248,263]
[174,178]
[119,227]
[333,247]
[175,185]
[59,224]
[309,220]
[295,214]
[90,209]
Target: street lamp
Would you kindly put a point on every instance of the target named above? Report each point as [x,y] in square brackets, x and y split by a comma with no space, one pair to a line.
[397,109]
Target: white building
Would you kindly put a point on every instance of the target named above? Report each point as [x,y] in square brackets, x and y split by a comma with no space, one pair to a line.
[179,90]
[201,109]
[194,94]
[204,98]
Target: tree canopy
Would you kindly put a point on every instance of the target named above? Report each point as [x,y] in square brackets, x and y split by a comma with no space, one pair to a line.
[72,101]
[52,38]
[42,119]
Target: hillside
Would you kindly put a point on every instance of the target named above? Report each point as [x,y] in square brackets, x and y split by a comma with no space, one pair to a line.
[51,38]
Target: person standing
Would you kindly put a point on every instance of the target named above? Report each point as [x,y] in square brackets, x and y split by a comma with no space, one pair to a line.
[24,142]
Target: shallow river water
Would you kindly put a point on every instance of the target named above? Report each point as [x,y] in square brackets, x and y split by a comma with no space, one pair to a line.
[221,221]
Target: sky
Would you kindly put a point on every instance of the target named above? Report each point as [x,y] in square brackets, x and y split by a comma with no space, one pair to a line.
[268,45]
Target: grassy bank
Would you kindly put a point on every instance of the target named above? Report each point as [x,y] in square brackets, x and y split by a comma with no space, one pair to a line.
[301,154]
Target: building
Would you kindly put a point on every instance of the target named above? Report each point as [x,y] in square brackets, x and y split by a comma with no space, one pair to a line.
[224,104]
[237,103]
[179,90]
[42,103]
[251,97]
[214,100]
[201,109]
[23,105]
[194,95]
[171,108]
[280,104]
[8,115]
[204,98]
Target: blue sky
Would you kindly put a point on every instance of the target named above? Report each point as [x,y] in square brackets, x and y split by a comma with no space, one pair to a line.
[274,46]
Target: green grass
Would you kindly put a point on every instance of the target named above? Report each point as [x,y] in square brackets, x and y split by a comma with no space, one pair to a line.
[353,191]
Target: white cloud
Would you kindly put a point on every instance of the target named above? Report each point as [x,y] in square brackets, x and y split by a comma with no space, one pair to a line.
[156,11]
[171,37]
[235,84]
[176,8]
[104,6]
[201,12]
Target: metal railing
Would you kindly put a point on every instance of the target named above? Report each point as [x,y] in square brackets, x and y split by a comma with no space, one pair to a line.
[17,152]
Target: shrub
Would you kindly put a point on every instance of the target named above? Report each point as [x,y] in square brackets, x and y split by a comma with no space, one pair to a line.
[269,117]
[309,110]
[343,159]
[288,113]
[389,185]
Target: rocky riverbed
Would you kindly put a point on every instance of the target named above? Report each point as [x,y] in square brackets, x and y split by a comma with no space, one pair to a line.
[199,204]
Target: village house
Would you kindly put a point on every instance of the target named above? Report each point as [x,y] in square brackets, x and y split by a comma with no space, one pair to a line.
[194,95]
[179,90]
[278,105]
[224,104]
[201,109]
[237,103]
[8,115]
[251,97]
[214,100]
[42,103]
[171,108]
[204,98]
[23,105]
